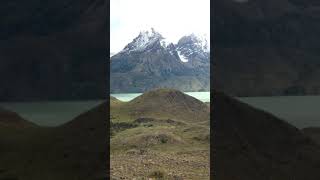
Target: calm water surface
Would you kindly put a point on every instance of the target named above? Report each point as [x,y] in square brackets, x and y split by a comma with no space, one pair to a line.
[202,96]
[51,113]
[300,111]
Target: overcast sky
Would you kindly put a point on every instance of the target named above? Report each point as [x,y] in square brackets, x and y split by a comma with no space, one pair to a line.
[172,18]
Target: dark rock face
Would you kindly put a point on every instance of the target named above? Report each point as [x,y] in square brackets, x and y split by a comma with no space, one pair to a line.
[251,144]
[266,47]
[53,50]
[148,62]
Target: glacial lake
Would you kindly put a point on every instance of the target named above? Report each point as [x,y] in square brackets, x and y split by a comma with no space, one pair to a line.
[300,111]
[202,96]
[50,113]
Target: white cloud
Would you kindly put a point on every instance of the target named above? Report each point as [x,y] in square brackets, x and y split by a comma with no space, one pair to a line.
[172,18]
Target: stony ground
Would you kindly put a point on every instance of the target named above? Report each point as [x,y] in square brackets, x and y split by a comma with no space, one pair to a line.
[137,164]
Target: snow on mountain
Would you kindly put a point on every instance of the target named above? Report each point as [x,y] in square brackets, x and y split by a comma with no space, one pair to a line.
[144,40]
[182,57]
[193,48]
[187,47]
[201,40]
[193,44]
[184,66]
[204,43]
[112,54]
[164,43]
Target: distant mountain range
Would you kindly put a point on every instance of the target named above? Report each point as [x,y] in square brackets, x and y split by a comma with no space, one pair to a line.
[149,62]
[265,48]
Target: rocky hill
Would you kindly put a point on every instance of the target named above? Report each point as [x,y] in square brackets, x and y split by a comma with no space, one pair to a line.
[73,151]
[167,103]
[163,133]
[251,144]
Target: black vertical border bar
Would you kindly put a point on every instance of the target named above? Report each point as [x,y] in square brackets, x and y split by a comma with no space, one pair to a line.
[212,154]
[107,40]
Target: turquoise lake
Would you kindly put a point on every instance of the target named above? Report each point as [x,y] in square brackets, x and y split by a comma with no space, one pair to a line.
[300,111]
[202,96]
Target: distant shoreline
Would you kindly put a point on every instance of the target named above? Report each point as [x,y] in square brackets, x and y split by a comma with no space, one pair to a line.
[202,96]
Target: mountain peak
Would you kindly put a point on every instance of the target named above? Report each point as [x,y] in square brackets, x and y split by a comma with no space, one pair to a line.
[192,46]
[198,41]
[150,34]
[143,40]
[164,63]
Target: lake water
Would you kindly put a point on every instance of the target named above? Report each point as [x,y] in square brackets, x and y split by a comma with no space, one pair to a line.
[202,96]
[300,111]
[51,113]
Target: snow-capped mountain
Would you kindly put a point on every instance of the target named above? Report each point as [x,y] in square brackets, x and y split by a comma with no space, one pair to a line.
[149,61]
[187,47]
[144,41]
[195,51]
[192,45]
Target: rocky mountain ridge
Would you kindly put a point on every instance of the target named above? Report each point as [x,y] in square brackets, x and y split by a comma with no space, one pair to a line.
[149,62]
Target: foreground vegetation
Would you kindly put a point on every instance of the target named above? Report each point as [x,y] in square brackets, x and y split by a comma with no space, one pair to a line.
[162,134]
